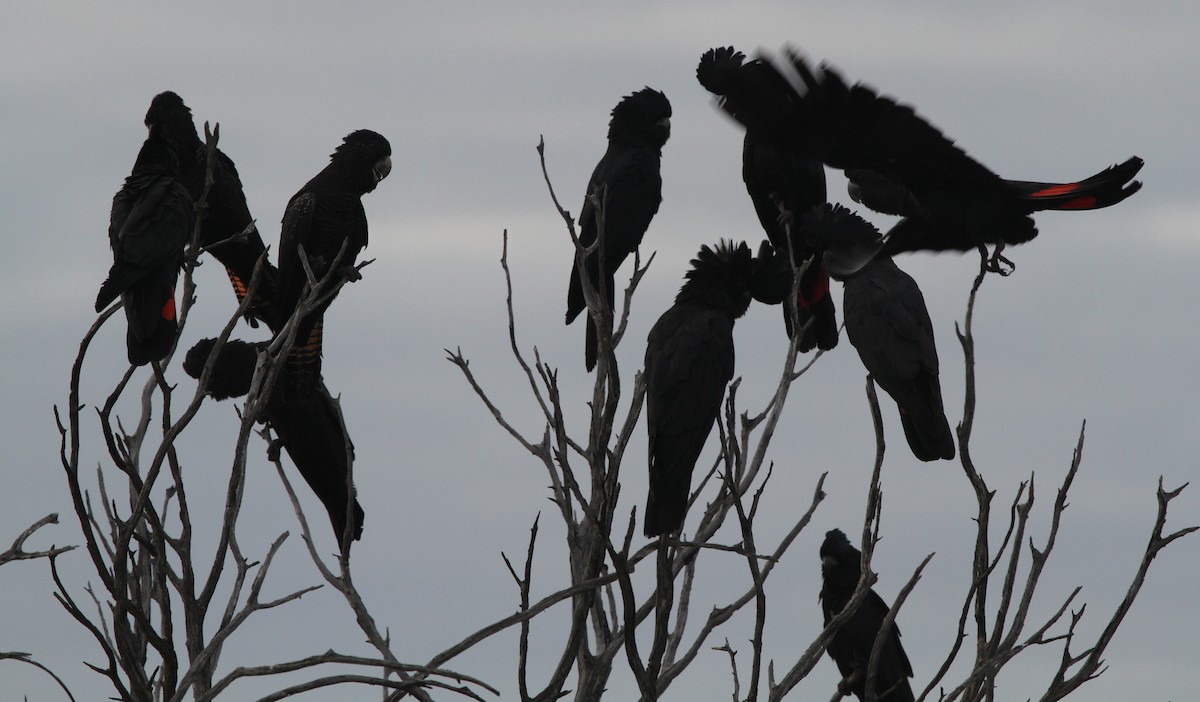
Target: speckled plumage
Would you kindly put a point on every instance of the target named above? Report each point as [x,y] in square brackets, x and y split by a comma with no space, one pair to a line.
[321,217]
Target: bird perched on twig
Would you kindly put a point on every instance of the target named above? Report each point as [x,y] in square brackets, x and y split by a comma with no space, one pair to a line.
[689,361]
[149,226]
[841,568]
[227,230]
[323,217]
[783,185]
[307,428]
[623,195]
[888,324]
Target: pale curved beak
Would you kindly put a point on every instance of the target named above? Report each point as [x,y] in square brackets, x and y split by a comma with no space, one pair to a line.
[382,168]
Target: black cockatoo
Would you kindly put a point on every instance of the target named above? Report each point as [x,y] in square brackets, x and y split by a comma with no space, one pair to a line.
[325,215]
[899,163]
[226,215]
[889,326]
[841,567]
[307,428]
[626,183]
[689,361]
[783,185]
[149,226]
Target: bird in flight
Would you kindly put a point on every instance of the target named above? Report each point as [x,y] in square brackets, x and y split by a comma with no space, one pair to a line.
[899,163]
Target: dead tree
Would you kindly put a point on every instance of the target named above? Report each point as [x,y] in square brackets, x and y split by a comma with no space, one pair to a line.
[583,465]
[165,603]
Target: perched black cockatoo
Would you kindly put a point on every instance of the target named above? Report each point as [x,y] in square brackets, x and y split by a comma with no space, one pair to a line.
[889,326]
[901,164]
[783,185]
[307,428]
[149,226]
[689,361]
[325,215]
[226,217]
[627,186]
[841,567]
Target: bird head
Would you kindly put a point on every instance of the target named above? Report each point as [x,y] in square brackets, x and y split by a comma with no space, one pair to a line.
[753,91]
[722,276]
[847,242]
[172,119]
[367,156]
[840,561]
[641,119]
[718,69]
[772,275]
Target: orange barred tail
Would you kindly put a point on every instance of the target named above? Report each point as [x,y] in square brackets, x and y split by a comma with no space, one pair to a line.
[303,367]
[1104,189]
[239,286]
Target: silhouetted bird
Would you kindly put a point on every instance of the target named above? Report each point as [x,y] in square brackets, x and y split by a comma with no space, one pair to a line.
[783,185]
[307,428]
[851,646]
[149,226]
[325,215]
[901,164]
[689,361]
[226,229]
[627,185]
[922,229]
[889,326]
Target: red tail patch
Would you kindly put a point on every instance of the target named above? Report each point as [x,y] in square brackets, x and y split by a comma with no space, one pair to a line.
[819,290]
[1056,190]
[168,308]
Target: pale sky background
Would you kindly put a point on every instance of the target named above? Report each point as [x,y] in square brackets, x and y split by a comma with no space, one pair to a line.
[1098,322]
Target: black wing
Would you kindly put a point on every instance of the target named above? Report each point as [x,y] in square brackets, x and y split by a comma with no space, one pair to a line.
[150,223]
[628,185]
[228,234]
[889,326]
[851,650]
[689,361]
[308,428]
[309,431]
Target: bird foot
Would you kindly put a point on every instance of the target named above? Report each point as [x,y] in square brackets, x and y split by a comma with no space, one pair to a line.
[999,264]
[273,450]
[786,218]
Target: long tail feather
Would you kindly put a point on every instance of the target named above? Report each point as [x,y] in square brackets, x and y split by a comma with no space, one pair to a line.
[1104,189]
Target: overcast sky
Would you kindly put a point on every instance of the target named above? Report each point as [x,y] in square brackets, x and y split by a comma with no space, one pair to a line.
[1098,323]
